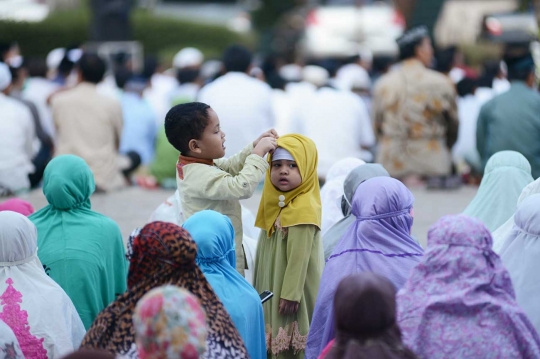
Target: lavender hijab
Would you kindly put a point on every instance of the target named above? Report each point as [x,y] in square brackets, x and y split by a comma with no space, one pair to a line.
[379,241]
[459,302]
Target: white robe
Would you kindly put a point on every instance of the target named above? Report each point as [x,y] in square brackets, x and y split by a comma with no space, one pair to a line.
[339,124]
[17,133]
[520,254]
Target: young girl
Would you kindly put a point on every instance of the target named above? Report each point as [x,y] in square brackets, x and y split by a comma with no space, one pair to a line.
[290,257]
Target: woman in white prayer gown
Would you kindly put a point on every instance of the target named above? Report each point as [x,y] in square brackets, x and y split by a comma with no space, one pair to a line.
[520,253]
[38,311]
[500,235]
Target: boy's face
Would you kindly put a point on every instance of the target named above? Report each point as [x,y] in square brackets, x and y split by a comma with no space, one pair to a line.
[211,145]
[285,175]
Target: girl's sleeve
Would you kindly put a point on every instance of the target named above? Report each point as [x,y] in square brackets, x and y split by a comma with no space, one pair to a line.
[299,247]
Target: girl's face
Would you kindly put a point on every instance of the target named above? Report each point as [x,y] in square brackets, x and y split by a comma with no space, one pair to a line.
[285,175]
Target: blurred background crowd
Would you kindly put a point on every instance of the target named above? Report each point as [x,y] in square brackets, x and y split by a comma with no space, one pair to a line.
[97,78]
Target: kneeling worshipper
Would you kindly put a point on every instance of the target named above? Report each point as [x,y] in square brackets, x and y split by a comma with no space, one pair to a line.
[17,205]
[365,307]
[459,302]
[358,176]
[81,250]
[500,235]
[38,311]
[213,233]
[332,191]
[506,175]
[170,323]
[163,253]
[379,241]
[520,254]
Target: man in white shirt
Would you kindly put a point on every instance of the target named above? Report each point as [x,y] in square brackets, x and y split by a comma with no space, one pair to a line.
[243,103]
[16,140]
[337,121]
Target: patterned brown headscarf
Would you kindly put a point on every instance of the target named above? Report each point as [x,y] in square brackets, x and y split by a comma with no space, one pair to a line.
[164,253]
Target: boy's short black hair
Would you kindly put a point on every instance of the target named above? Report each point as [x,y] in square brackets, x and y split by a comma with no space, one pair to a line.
[237,58]
[92,68]
[186,122]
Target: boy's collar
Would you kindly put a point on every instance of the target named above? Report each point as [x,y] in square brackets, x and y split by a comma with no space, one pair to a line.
[186,160]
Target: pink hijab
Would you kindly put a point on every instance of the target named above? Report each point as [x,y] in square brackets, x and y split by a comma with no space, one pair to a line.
[17,205]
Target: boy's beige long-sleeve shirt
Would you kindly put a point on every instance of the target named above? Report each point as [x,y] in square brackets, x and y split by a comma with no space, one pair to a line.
[221,187]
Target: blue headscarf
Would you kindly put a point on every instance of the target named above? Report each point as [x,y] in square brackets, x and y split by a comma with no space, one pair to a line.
[214,235]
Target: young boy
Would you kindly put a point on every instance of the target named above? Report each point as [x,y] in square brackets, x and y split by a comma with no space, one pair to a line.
[205,179]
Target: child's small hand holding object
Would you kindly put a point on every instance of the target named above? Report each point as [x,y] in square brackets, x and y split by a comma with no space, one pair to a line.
[270,133]
[287,307]
[265,145]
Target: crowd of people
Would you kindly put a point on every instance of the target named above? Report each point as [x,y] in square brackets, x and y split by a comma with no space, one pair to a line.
[320,272]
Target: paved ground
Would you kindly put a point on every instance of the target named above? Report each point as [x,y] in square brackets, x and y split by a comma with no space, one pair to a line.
[131,208]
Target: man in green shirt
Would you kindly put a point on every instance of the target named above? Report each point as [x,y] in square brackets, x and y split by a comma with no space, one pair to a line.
[511,121]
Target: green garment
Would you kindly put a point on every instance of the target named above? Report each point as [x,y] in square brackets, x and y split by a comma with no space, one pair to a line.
[511,121]
[506,175]
[164,165]
[80,249]
[292,270]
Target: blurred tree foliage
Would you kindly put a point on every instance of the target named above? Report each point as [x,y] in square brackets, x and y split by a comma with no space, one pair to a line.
[159,35]
[279,24]
[270,12]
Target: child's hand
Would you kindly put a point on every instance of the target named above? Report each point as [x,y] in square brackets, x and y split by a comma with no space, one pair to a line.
[265,145]
[270,133]
[287,307]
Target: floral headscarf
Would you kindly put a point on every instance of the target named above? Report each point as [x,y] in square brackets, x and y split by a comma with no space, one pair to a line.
[170,323]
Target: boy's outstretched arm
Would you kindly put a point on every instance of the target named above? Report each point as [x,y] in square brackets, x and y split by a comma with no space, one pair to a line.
[234,164]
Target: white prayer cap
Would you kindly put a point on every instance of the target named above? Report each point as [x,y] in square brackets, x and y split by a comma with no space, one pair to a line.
[282,154]
[291,73]
[5,76]
[188,57]
[316,75]
[55,57]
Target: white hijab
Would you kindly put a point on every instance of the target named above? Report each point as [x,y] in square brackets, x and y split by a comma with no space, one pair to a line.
[503,231]
[32,304]
[520,254]
[332,191]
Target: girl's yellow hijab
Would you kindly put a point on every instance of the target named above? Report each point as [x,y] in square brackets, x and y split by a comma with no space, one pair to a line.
[302,204]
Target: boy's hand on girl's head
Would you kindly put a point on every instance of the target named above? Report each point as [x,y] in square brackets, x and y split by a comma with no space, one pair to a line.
[270,133]
[265,145]
[287,307]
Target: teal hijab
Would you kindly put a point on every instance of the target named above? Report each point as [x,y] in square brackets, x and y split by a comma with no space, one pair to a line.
[506,175]
[214,235]
[80,249]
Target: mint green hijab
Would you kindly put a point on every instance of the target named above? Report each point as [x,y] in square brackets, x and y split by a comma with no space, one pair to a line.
[506,175]
[80,249]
